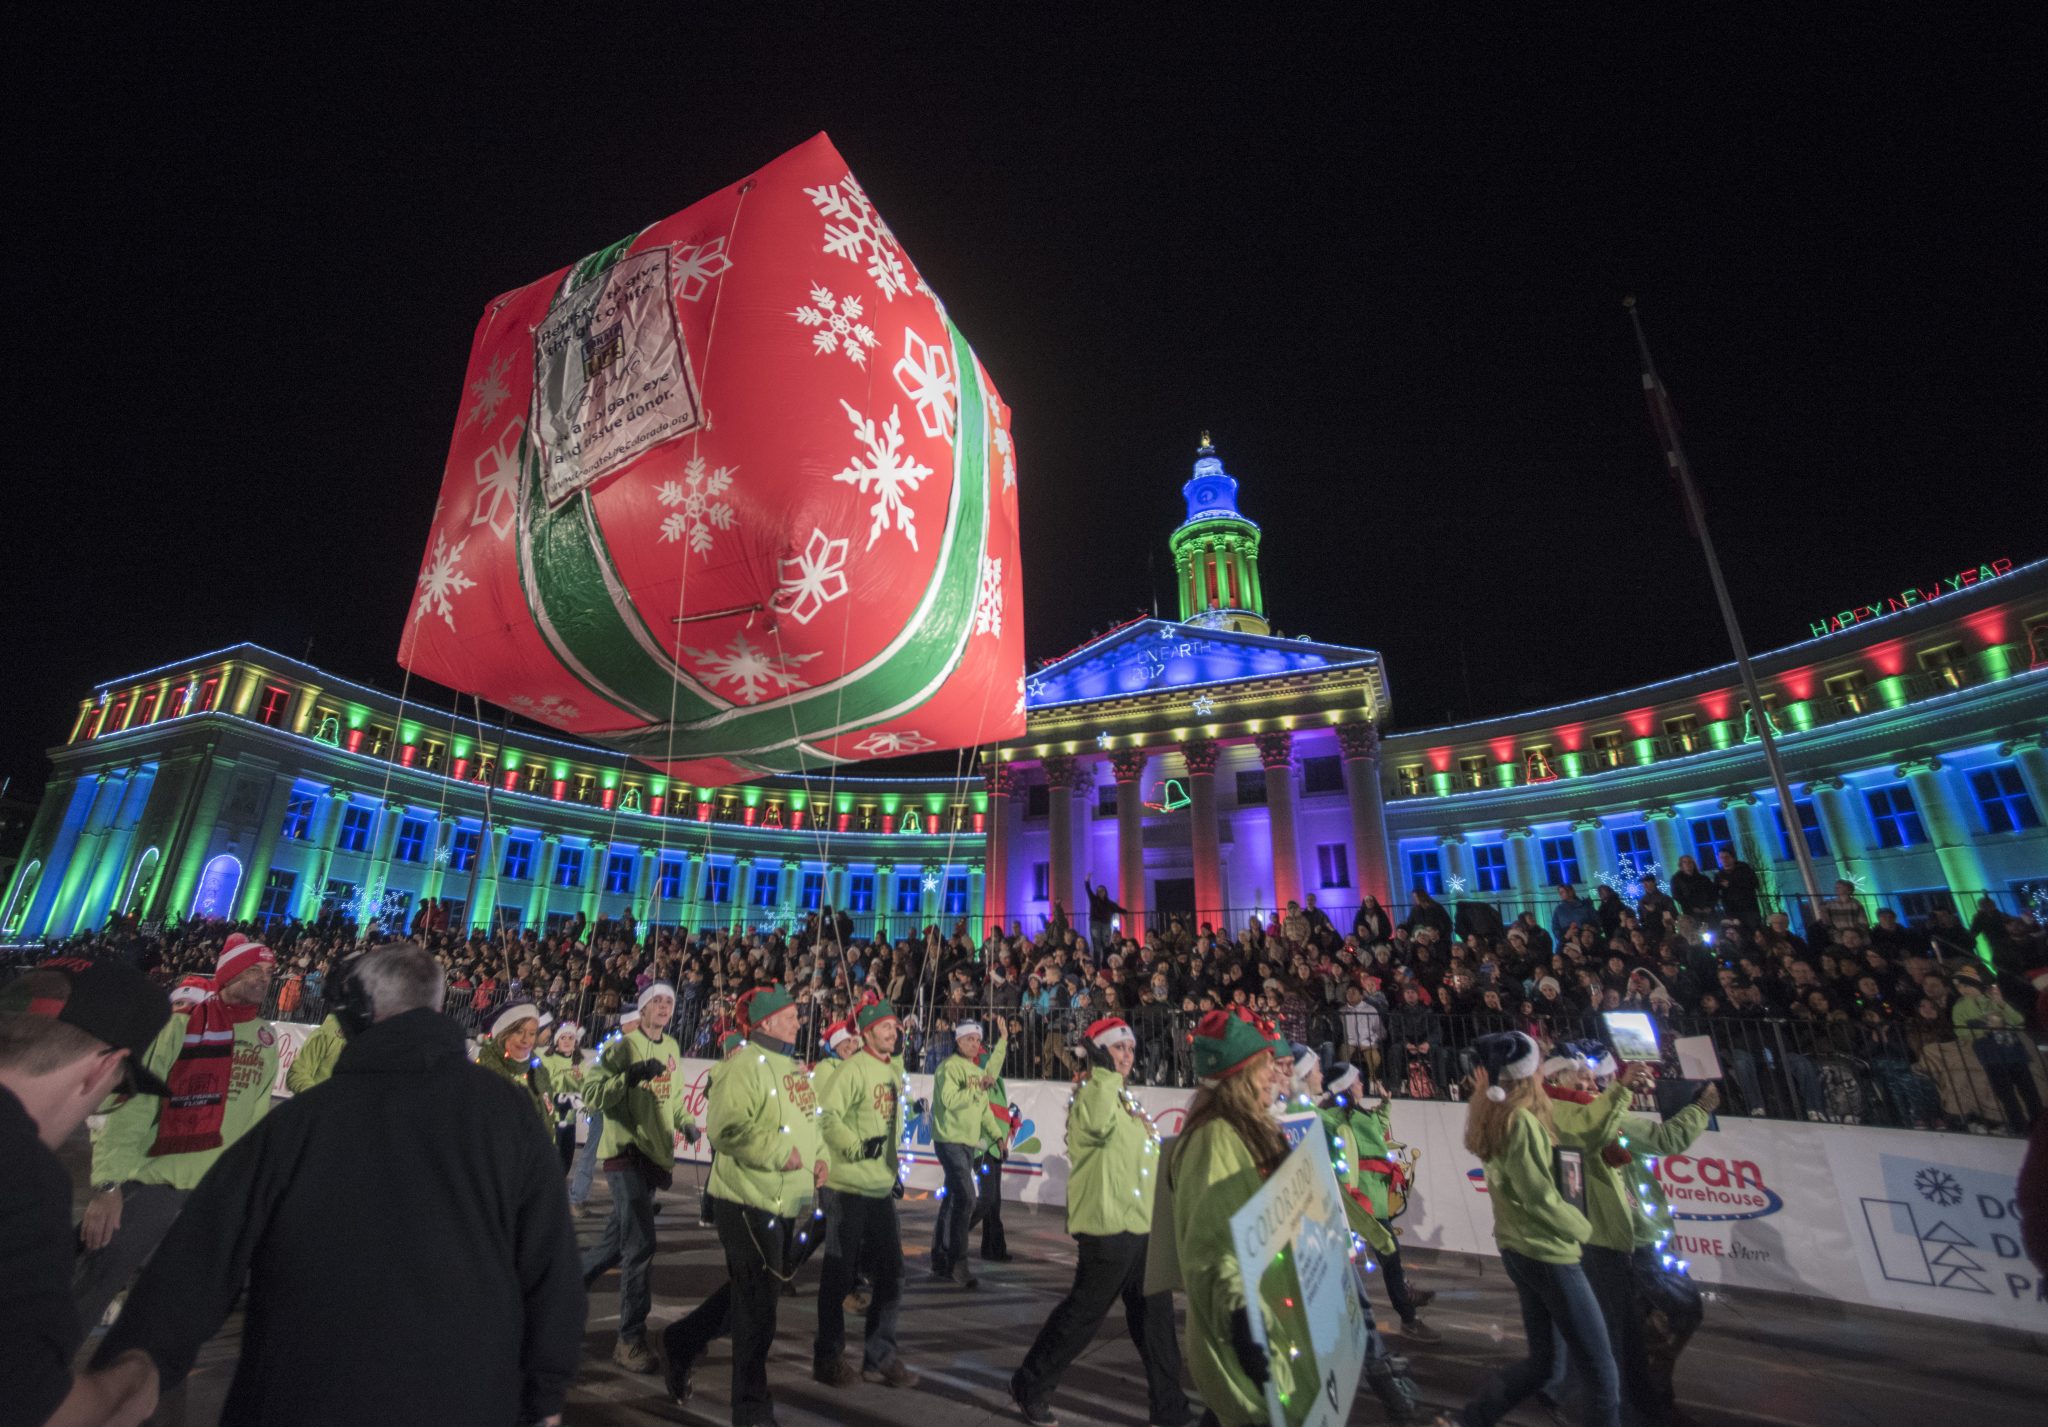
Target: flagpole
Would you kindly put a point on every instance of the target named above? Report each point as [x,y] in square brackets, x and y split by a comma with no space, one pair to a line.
[1795,832]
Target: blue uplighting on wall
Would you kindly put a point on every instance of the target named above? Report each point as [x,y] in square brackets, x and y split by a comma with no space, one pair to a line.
[1158,655]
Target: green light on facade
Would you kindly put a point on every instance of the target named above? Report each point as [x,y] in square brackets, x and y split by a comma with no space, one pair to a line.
[797,801]
[1645,751]
[1441,782]
[357,716]
[1505,774]
[462,747]
[658,784]
[1801,715]
[610,780]
[1574,764]
[845,802]
[1998,662]
[1721,733]
[890,802]
[1893,691]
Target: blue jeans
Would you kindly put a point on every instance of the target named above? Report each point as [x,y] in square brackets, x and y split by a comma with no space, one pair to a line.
[956,1211]
[628,1245]
[586,1161]
[1552,1295]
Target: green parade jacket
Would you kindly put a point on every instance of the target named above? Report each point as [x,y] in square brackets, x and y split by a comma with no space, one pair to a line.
[1590,1128]
[1369,1134]
[316,1057]
[1115,1159]
[860,1100]
[1213,1174]
[121,1152]
[645,1118]
[1615,1194]
[532,1078]
[960,1099]
[762,1106]
[1529,1215]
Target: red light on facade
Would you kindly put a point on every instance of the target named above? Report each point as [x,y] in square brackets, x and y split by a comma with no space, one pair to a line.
[1440,759]
[1503,750]
[845,821]
[1989,625]
[703,812]
[511,779]
[1799,684]
[607,798]
[1572,737]
[355,740]
[981,822]
[408,752]
[1640,721]
[747,815]
[461,769]
[1889,657]
[1717,705]
[796,819]
[656,804]
[888,822]
[561,787]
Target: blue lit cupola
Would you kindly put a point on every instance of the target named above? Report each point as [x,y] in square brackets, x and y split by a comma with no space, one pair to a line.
[1216,552]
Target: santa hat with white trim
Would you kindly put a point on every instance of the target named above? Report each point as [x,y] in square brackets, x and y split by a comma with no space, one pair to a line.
[1112,1030]
[509,1018]
[1341,1079]
[965,1029]
[654,988]
[1506,1056]
[837,1034]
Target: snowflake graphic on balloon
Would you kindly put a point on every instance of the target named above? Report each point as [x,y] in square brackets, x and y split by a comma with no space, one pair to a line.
[1938,1186]
[548,708]
[838,324]
[884,472]
[695,510]
[753,672]
[860,236]
[925,375]
[497,482]
[491,392]
[442,581]
[695,267]
[812,578]
[988,598]
[887,744]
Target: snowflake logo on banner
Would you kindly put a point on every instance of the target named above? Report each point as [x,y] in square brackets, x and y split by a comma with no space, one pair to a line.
[988,598]
[695,267]
[925,374]
[888,745]
[861,236]
[888,474]
[753,672]
[442,581]
[695,510]
[490,391]
[497,483]
[1938,1187]
[839,326]
[812,578]
[548,708]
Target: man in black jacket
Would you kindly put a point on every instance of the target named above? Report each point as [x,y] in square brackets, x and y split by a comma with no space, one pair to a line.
[404,1233]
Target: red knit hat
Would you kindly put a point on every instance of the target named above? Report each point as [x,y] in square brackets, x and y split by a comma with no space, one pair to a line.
[239,954]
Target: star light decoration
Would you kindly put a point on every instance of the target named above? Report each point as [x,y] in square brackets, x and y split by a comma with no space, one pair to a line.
[443,853]
[931,881]
[1627,879]
[1102,739]
[1204,706]
[1454,884]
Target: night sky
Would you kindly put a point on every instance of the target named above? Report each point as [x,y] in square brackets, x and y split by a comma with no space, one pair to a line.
[1384,266]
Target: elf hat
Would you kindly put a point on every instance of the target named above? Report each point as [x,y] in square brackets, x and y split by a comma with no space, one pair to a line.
[239,954]
[967,1029]
[730,1042]
[761,1003]
[1504,1056]
[1224,1045]
[1343,1080]
[874,1013]
[512,1015]
[1305,1059]
[836,1033]
[654,988]
[1112,1030]
[1600,1060]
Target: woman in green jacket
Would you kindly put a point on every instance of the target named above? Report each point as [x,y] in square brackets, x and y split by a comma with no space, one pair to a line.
[509,1052]
[1228,1146]
[1112,1179]
[1508,1126]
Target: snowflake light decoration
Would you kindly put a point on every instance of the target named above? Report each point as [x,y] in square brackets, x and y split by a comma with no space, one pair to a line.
[2037,901]
[444,854]
[695,508]
[1204,706]
[753,672]
[1627,879]
[931,881]
[860,236]
[442,581]
[812,578]
[370,907]
[1454,884]
[884,472]
[838,324]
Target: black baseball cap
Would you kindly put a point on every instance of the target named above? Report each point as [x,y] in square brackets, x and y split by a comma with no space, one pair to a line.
[107,999]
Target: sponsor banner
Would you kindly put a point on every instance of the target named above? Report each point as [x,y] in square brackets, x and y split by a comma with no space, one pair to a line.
[1759,1203]
[291,1035]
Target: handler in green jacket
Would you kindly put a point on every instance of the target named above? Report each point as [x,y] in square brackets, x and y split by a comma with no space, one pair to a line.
[1112,1180]
[315,1061]
[770,1165]
[509,1052]
[962,1120]
[638,1086]
[1375,1174]
[860,1107]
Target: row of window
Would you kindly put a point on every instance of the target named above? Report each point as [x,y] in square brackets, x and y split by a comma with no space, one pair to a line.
[1895,821]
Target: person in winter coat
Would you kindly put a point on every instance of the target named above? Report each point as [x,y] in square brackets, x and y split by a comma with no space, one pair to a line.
[1376,1175]
[515,1031]
[1228,1146]
[1694,891]
[220,1061]
[565,1066]
[988,1172]
[638,1086]
[1510,1129]
[860,1117]
[771,1162]
[962,1120]
[422,1198]
[1113,1178]
[316,1057]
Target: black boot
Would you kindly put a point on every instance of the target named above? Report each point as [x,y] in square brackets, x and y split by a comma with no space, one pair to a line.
[1390,1383]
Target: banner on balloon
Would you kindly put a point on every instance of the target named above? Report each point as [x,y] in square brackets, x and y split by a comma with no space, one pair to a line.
[734,496]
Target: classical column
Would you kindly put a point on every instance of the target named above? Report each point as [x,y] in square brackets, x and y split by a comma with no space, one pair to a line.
[740,909]
[438,853]
[378,878]
[103,878]
[1128,764]
[650,878]
[977,902]
[257,873]
[490,860]
[39,850]
[1838,824]
[543,874]
[1457,863]
[1276,752]
[68,879]
[1662,820]
[1526,875]
[1586,841]
[1946,825]
[1061,772]
[2030,756]
[885,900]
[594,874]
[201,802]
[789,901]
[1201,755]
[999,780]
[690,911]
[1360,745]
[326,828]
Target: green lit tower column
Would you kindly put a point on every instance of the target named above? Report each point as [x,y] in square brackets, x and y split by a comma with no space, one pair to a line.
[1522,868]
[257,874]
[537,897]
[2030,756]
[1830,805]
[333,803]
[594,874]
[1216,552]
[1960,863]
